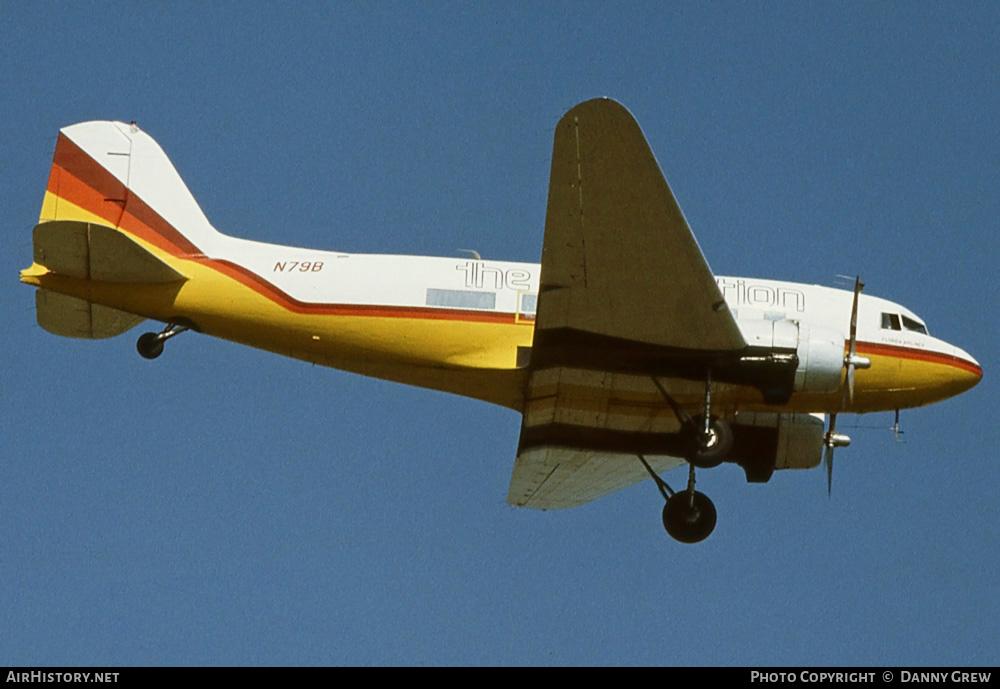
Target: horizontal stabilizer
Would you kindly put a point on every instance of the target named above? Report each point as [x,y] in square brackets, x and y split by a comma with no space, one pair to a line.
[89,251]
[72,317]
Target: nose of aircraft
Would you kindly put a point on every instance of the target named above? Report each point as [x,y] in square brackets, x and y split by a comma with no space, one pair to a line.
[968,369]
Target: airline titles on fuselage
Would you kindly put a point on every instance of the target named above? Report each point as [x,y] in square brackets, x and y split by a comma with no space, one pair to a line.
[479,274]
[743,293]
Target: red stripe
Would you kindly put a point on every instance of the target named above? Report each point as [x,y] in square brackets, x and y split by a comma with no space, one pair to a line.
[79,179]
[918,355]
[261,286]
[89,185]
[77,162]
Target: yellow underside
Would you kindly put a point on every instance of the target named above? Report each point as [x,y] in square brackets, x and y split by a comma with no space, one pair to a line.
[891,383]
[468,358]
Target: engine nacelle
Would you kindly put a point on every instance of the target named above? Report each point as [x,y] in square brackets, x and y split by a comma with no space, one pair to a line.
[763,442]
[820,351]
[821,359]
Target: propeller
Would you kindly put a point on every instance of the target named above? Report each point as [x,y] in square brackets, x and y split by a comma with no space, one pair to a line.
[833,439]
[851,362]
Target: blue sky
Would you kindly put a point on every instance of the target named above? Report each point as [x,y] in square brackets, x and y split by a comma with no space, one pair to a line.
[227,506]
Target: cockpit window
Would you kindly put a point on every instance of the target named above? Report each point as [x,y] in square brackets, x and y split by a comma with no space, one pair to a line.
[915,326]
[890,321]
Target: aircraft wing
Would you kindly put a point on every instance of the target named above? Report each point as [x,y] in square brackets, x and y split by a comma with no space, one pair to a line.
[625,294]
[618,257]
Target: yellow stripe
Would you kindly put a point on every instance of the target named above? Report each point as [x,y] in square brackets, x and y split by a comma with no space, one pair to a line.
[57,208]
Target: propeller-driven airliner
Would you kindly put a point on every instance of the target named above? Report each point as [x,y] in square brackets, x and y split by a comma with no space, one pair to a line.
[624,353]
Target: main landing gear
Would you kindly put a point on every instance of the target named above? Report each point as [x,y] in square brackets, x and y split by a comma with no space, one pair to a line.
[150,345]
[689,516]
[712,444]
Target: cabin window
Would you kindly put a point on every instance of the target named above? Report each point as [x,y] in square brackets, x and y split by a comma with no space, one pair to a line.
[915,326]
[529,303]
[461,299]
[890,321]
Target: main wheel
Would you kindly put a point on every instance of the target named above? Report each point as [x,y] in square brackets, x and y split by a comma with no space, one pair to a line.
[149,346]
[710,451]
[689,517]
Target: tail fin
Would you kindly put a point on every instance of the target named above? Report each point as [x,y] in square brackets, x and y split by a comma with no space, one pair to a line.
[115,213]
[115,175]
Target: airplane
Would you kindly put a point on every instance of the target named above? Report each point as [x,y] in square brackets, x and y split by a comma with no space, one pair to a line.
[624,353]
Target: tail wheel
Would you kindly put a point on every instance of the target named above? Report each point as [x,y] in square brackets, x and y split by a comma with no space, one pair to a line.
[149,346]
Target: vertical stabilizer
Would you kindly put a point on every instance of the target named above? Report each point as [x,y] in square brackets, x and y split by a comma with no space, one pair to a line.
[114,174]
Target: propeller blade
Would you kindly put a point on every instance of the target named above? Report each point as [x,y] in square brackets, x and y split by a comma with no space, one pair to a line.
[852,360]
[828,454]
[828,462]
[858,286]
[850,383]
[832,440]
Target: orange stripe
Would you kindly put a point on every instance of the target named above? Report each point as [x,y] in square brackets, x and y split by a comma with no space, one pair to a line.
[67,186]
[133,216]
[72,158]
[89,185]
[918,355]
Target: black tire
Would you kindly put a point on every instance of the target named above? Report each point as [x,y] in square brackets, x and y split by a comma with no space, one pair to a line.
[149,346]
[717,449]
[689,523]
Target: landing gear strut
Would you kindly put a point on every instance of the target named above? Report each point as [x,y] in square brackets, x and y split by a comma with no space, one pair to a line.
[710,439]
[689,516]
[150,345]
[714,437]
